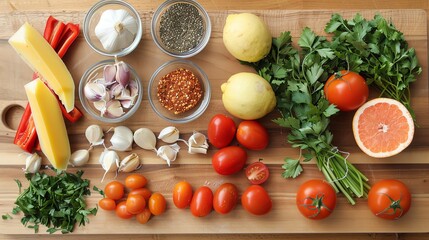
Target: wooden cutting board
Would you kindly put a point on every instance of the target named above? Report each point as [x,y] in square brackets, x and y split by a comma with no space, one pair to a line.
[411,166]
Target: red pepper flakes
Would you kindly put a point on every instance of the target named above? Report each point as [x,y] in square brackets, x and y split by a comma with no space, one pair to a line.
[179,91]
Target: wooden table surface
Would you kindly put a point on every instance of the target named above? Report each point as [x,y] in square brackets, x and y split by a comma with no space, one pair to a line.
[24,8]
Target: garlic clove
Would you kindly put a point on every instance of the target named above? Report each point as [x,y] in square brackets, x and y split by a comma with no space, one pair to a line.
[94,134]
[125,94]
[129,163]
[94,91]
[194,150]
[32,163]
[109,161]
[79,158]
[197,143]
[116,90]
[109,73]
[122,139]
[134,90]
[101,106]
[168,152]
[145,138]
[122,73]
[127,103]
[114,109]
[169,134]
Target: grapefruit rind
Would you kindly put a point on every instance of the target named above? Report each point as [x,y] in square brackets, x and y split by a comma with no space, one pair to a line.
[381,153]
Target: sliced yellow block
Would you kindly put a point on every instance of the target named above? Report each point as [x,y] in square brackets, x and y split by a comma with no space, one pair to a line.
[49,123]
[42,58]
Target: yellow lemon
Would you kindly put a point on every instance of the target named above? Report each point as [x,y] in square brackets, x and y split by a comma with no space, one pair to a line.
[246,37]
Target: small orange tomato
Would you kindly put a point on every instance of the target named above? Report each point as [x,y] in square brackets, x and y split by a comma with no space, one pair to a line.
[144,216]
[114,190]
[157,204]
[135,181]
[107,204]
[121,211]
[182,194]
[146,193]
[135,204]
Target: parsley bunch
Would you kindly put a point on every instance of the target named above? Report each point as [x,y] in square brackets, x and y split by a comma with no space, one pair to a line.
[298,81]
[54,201]
[376,50]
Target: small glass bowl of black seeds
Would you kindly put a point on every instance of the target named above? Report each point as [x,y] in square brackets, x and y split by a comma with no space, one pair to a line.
[181,28]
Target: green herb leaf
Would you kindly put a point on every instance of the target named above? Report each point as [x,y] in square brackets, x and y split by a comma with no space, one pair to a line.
[292,168]
[6,216]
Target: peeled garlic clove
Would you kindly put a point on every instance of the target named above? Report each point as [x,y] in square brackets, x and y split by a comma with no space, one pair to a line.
[32,163]
[122,139]
[109,73]
[94,91]
[194,150]
[169,134]
[109,161]
[145,138]
[94,135]
[168,152]
[122,73]
[114,109]
[79,158]
[129,163]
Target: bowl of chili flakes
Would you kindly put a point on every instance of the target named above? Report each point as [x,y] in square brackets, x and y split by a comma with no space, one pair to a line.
[179,91]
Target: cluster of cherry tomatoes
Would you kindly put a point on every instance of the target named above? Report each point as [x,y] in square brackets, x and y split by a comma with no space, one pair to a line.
[201,202]
[139,202]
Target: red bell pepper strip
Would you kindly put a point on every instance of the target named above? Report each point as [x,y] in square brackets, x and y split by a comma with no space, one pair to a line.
[53,31]
[26,135]
[70,33]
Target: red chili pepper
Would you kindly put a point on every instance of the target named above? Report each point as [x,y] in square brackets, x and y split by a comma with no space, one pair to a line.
[26,134]
[73,115]
[70,33]
[53,31]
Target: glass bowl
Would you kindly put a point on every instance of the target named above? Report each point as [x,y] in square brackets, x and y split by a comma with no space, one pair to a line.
[92,18]
[175,22]
[96,72]
[190,114]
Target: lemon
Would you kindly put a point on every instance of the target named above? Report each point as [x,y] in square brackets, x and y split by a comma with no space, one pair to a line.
[248,96]
[246,37]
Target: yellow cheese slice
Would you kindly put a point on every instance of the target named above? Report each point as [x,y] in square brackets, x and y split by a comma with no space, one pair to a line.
[49,123]
[42,58]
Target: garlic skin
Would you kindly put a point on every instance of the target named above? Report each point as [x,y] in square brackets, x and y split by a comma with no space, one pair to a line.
[79,158]
[109,161]
[94,134]
[197,143]
[169,134]
[32,163]
[116,29]
[130,163]
[145,138]
[168,152]
[122,139]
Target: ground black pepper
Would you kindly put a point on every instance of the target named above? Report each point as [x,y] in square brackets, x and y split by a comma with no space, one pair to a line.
[181,27]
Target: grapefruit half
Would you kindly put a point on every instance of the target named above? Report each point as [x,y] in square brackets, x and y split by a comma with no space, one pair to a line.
[383,127]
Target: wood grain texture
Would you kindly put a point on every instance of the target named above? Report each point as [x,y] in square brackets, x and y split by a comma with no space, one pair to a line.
[410,166]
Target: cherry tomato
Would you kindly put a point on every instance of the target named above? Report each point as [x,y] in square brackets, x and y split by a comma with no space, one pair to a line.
[107,204]
[202,202]
[257,173]
[252,135]
[256,200]
[121,211]
[146,193]
[114,190]
[135,181]
[225,198]
[157,204]
[347,90]
[229,160]
[182,194]
[316,199]
[135,204]
[221,130]
[389,199]
[144,216]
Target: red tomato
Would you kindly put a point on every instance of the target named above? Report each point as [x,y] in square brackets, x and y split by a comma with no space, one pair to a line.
[221,130]
[135,204]
[144,216]
[135,181]
[114,190]
[157,204]
[256,200]
[202,202]
[252,135]
[347,90]
[316,199]
[389,199]
[225,198]
[182,194]
[107,204]
[121,211]
[146,193]
[257,173]
[229,160]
